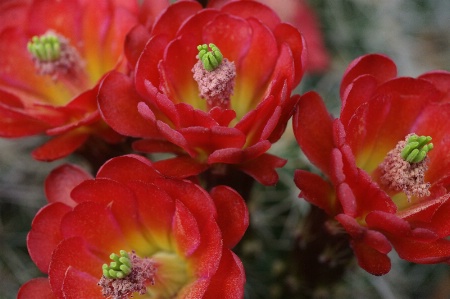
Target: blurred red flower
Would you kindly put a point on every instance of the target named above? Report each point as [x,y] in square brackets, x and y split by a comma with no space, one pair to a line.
[185,233]
[380,199]
[161,102]
[55,93]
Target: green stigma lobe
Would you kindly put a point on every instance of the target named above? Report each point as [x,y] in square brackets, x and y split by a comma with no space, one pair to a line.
[416,148]
[210,59]
[46,47]
[119,268]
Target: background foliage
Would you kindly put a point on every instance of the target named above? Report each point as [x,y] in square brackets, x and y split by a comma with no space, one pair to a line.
[414,33]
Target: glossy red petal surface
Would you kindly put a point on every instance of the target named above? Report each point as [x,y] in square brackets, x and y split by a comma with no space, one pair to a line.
[172,18]
[147,65]
[135,42]
[73,252]
[17,123]
[128,168]
[118,104]
[371,260]
[95,224]
[356,94]
[229,280]
[253,9]
[262,168]
[316,191]
[62,180]
[45,234]
[313,130]
[185,230]
[381,67]
[232,214]
[180,167]
[255,70]
[156,211]
[205,260]
[192,117]
[176,71]
[60,146]
[156,146]
[422,252]
[434,122]
[37,288]
[440,80]
[197,200]
[78,284]
[285,33]
[214,138]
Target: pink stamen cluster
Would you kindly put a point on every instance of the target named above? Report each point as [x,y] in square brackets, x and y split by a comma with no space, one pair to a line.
[400,175]
[215,86]
[142,274]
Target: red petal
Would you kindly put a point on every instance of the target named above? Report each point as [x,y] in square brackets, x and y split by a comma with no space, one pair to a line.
[313,130]
[180,167]
[206,258]
[37,288]
[356,94]
[315,190]
[74,253]
[128,168]
[215,138]
[60,146]
[79,284]
[147,65]
[156,211]
[251,9]
[254,71]
[118,104]
[135,43]
[422,252]
[45,234]
[192,196]
[175,15]
[16,122]
[229,280]
[379,66]
[262,168]
[440,80]
[95,224]
[185,230]
[371,260]
[285,33]
[176,72]
[232,217]
[62,180]
[156,146]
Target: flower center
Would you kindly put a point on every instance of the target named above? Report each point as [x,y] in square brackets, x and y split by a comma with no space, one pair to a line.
[405,166]
[126,274]
[53,55]
[215,76]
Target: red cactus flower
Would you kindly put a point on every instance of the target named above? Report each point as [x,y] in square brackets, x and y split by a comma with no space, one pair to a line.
[53,56]
[385,186]
[226,116]
[174,236]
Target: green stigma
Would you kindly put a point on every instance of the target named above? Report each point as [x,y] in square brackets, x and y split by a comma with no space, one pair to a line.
[119,268]
[212,59]
[46,47]
[416,148]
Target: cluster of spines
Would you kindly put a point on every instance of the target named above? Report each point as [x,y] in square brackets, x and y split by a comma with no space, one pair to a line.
[210,59]
[119,268]
[416,148]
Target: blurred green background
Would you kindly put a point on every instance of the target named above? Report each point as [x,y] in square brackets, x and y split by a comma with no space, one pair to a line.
[414,33]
